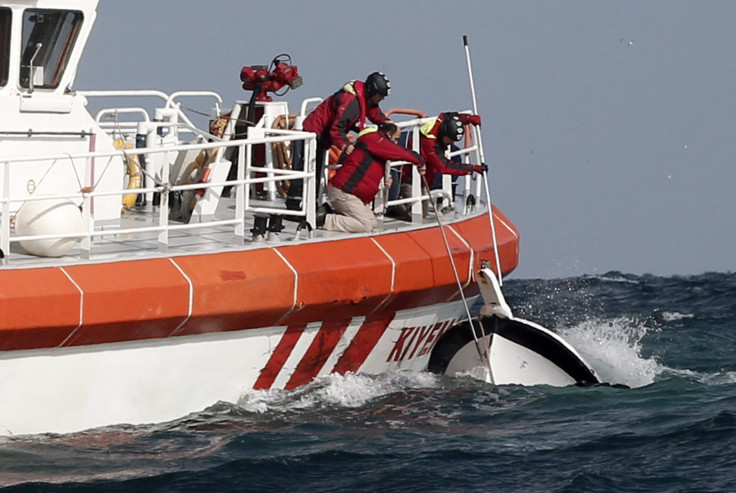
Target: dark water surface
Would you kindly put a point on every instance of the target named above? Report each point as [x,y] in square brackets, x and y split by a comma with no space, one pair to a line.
[672,340]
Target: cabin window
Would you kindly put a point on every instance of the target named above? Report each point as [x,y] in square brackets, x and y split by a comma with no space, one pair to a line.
[4,45]
[48,41]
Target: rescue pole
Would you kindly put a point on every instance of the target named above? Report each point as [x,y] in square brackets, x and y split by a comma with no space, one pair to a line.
[487,357]
[483,162]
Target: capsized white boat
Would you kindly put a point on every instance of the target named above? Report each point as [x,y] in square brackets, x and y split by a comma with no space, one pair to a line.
[149,267]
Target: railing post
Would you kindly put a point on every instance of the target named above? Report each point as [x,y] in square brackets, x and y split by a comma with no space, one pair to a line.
[247,177]
[311,182]
[5,216]
[85,247]
[163,211]
[163,221]
[240,197]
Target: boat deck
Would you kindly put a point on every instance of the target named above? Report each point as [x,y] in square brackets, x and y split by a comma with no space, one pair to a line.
[200,237]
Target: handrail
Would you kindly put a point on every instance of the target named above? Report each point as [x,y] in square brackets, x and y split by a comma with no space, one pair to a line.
[177,106]
[113,112]
[405,111]
[252,175]
[173,96]
[125,93]
[306,103]
[294,135]
[248,176]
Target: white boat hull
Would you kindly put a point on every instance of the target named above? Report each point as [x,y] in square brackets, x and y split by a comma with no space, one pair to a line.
[76,388]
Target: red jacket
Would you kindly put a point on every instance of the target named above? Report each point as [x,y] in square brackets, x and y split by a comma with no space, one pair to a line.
[342,112]
[433,151]
[362,171]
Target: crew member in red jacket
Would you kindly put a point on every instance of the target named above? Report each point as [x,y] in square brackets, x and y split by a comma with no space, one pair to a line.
[356,182]
[335,117]
[437,135]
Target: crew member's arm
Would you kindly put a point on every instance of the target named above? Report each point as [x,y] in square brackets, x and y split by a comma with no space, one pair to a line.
[470,119]
[384,149]
[434,153]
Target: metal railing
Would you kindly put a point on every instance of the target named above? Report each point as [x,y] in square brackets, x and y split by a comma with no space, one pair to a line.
[160,182]
[248,175]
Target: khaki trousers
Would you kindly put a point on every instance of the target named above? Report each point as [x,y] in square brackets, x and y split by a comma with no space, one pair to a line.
[353,216]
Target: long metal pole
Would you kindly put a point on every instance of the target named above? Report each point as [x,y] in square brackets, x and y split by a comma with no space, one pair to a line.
[483,161]
[484,358]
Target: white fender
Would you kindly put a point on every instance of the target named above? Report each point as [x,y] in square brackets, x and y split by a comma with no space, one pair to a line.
[48,217]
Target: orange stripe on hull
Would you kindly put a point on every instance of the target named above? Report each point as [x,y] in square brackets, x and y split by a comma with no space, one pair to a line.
[477,232]
[238,290]
[423,272]
[286,285]
[38,308]
[126,301]
[338,279]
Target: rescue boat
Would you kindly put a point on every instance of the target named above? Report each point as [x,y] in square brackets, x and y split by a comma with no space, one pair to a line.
[150,268]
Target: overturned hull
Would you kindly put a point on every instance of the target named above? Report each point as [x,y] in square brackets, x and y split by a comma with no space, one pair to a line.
[503,349]
[519,352]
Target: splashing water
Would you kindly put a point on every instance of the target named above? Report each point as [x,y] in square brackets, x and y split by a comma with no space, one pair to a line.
[343,391]
[613,349]
[675,316]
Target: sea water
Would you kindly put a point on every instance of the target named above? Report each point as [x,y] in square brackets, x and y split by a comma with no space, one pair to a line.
[670,340]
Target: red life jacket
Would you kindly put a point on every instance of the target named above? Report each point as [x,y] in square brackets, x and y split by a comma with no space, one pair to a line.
[345,110]
[362,171]
[433,151]
[359,88]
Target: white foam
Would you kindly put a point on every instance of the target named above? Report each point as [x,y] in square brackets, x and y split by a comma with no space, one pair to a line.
[613,349]
[675,316]
[619,279]
[346,391]
[719,378]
